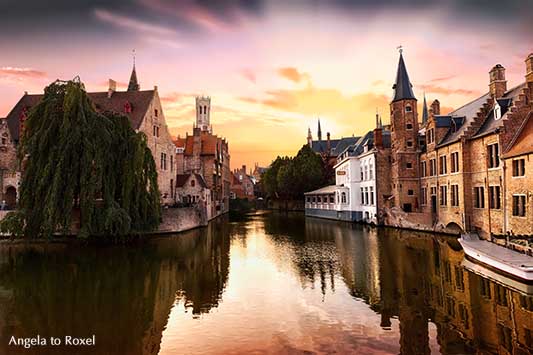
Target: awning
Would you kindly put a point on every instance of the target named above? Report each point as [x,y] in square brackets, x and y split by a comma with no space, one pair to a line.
[327,190]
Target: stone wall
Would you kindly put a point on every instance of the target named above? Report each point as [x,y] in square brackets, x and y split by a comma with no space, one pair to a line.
[182,219]
[519,185]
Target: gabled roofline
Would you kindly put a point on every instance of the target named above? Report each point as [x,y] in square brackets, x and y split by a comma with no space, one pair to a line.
[517,134]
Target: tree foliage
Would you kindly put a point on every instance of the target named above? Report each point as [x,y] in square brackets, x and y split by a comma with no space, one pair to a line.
[81,166]
[289,177]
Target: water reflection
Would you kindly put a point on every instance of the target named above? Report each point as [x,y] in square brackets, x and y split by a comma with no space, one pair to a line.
[273,284]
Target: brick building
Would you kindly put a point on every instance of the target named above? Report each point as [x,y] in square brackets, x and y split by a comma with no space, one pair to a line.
[206,154]
[466,170]
[242,184]
[142,107]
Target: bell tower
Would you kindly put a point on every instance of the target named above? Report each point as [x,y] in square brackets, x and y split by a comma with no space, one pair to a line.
[203,111]
[404,142]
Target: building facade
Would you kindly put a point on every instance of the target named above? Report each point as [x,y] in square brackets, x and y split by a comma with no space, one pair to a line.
[142,107]
[242,184]
[206,154]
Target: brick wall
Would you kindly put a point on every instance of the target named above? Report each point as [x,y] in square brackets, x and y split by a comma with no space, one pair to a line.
[519,185]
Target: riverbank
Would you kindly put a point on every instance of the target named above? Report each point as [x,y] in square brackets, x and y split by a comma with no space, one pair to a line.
[174,221]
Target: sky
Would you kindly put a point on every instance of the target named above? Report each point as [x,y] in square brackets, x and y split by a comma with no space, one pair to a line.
[271,68]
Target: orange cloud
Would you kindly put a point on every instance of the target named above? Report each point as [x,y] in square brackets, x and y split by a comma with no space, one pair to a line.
[292,74]
[20,73]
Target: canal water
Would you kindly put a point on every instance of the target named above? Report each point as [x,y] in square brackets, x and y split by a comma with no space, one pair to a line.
[276,283]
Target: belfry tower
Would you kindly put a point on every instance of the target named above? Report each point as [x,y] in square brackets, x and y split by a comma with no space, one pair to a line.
[404,142]
[203,111]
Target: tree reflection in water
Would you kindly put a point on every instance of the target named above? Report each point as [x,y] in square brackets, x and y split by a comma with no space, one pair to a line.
[356,290]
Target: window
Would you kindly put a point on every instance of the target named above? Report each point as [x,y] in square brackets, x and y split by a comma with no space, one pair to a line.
[459,280]
[156,112]
[450,306]
[193,182]
[455,162]
[200,109]
[366,195]
[408,108]
[485,288]
[4,141]
[362,196]
[443,195]
[501,295]
[455,195]
[431,136]
[362,173]
[526,302]
[519,167]
[447,272]
[371,192]
[308,199]
[407,207]
[442,165]
[366,172]
[506,338]
[493,155]
[343,197]
[479,197]
[331,198]
[410,192]
[423,168]
[409,143]
[424,199]
[319,199]
[432,167]
[409,165]
[171,163]
[463,314]
[371,172]
[409,126]
[519,205]
[494,197]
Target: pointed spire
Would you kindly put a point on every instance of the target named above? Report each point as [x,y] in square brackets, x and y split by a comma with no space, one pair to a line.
[425,114]
[380,123]
[403,87]
[134,84]
[377,118]
[319,131]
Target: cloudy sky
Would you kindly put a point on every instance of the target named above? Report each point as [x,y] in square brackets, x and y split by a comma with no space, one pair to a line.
[271,67]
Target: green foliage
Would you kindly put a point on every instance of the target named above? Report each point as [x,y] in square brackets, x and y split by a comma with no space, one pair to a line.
[288,178]
[80,166]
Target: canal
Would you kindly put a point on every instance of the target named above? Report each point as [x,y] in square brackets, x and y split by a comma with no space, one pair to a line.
[278,284]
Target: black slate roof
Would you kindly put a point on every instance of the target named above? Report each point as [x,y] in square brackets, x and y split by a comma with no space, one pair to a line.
[403,89]
[337,145]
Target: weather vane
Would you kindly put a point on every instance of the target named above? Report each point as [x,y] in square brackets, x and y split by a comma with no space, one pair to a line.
[133,54]
[400,49]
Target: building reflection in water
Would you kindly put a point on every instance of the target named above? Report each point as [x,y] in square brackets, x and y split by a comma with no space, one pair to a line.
[419,289]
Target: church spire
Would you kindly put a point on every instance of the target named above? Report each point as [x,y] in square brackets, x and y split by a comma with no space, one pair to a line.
[425,114]
[134,84]
[319,131]
[309,137]
[403,87]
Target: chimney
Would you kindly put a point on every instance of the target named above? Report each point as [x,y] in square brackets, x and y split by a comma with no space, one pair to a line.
[435,107]
[244,169]
[498,84]
[378,137]
[328,143]
[112,88]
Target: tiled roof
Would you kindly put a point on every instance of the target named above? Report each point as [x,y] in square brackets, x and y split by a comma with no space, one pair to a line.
[209,143]
[467,113]
[139,101]
[337,145]
[179,142]
[181,179]
[522,142]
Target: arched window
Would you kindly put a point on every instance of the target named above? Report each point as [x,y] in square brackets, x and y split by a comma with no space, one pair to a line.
[205,109]
[127,107]
[200,109]
[193,182]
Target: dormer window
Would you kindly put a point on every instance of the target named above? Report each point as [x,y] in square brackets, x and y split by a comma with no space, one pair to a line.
[497,111]
[127,107]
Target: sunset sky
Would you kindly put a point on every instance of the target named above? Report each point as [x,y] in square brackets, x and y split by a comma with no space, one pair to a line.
[271,67]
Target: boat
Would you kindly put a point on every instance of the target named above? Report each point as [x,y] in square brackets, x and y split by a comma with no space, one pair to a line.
[513,263]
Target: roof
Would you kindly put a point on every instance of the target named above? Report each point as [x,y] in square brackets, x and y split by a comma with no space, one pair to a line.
[133,84]
[337,145]
[139,101]
[209,143]
[181,179]
[179,142]
[425,114]
[522,142]
[467,113]
[326,190]
[403,89]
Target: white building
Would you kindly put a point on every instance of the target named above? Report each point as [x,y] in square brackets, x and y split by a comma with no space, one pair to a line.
[353,197]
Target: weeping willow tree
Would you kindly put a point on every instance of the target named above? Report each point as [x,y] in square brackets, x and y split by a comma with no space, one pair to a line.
[82,167]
